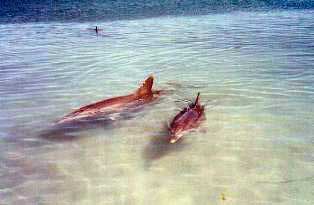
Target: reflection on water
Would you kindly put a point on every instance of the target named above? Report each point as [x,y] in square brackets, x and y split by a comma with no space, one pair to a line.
[255,147]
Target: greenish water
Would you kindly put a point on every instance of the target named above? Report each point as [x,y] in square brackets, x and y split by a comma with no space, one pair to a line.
[255,147]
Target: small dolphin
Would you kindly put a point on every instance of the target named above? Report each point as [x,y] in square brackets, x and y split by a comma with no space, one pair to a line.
[189,118]
[115,105]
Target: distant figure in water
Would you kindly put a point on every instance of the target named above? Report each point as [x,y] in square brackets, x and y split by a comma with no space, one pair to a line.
[97,29]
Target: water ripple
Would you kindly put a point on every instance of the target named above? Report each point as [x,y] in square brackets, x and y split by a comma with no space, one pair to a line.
[254,70]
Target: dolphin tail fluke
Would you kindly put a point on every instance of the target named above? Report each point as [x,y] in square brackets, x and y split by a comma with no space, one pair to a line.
[146,88]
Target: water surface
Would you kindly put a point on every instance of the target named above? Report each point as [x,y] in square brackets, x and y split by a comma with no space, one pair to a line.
[253,69]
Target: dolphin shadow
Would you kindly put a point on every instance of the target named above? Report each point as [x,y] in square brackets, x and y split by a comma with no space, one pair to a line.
[71,131]
[159,147]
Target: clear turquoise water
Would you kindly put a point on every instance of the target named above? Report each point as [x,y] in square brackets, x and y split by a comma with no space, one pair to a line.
[256,146]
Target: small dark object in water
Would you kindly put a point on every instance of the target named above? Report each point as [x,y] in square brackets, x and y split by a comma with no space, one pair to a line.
[189,118]
[223,197]
[96,29]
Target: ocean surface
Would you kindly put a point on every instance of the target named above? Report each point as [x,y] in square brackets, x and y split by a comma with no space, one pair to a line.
[21,11]
[254,71]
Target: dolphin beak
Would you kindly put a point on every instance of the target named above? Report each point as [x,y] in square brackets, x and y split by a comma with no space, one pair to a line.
[174,138]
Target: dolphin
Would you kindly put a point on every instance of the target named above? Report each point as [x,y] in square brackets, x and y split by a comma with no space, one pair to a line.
[187,119]
[115,105]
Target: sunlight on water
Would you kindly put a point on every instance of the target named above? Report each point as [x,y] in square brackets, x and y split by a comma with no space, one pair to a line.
[254,70]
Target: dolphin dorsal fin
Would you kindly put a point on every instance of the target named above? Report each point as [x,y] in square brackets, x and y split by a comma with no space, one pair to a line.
[146,88]
[197,99]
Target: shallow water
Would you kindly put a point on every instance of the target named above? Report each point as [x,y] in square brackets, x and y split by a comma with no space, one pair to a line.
[253,69]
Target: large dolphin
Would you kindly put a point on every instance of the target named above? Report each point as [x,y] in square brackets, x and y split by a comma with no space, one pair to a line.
[141,96]
[189,118]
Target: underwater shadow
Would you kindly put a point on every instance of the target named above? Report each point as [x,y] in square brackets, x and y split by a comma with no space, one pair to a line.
[71,131]
[159,147]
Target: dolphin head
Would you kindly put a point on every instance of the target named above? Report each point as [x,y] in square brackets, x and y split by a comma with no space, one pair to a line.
[175,134]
